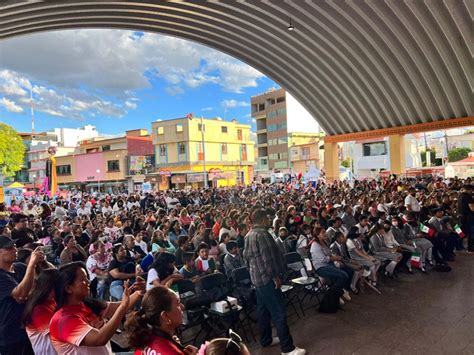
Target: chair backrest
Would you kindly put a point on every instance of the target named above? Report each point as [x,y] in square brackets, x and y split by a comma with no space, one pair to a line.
[240,275]
[292,258]
[185,286]
[214,280]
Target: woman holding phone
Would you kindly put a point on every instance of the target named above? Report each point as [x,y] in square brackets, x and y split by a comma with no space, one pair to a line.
[78,326]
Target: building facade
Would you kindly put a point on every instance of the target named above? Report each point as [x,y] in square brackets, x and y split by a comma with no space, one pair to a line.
[107,164]
[278,114]
[181,158]
[305,151]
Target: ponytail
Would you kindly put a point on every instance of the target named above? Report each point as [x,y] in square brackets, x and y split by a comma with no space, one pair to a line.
[140,332]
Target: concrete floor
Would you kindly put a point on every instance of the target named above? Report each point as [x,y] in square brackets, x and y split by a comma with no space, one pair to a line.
[417,314]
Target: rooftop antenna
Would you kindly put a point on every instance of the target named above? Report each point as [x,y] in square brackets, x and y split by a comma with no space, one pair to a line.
[32,110]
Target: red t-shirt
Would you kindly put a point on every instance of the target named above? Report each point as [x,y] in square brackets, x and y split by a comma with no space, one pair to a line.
[160,346]
[38,329]
[70,325]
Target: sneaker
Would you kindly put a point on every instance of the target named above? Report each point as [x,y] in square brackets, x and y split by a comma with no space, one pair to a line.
[296,351]
[275,341]
[366,273]
[341,302]
[346,296]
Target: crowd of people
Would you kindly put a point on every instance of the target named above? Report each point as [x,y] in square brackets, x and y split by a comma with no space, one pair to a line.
[73,269]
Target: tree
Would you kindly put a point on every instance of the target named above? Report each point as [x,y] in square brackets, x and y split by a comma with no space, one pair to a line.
[433,159]
[12,150]
[346,163]
[458,154]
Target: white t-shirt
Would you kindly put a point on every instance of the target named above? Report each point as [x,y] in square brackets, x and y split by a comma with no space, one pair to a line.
[152,276]
[350,244]
[83,211]
[413,203]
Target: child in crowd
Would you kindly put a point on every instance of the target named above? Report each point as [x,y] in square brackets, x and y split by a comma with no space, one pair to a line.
[232,260]
[205,263]
[225,237]
[189,270]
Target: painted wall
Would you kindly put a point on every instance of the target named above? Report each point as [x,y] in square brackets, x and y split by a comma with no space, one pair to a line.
[299,119]
[87,165]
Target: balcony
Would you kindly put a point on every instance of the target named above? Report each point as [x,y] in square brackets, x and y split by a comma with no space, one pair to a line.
[300,156]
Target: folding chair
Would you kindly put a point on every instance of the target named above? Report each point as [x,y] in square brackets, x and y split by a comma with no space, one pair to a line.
[245,292]
[308,285]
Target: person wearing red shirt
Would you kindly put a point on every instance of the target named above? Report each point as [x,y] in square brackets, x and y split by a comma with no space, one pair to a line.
[152,329]
[78,327]
[39,310]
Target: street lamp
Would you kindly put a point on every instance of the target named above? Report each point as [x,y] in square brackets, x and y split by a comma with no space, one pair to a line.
[98,180]
[34,182]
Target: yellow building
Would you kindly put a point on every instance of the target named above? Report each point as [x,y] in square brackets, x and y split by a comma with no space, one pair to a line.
[228,152]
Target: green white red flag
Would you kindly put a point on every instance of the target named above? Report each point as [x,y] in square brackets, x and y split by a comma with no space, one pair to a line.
[427,230]
[459,231]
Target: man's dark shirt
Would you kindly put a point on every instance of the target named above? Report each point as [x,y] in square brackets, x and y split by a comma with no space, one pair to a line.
[11,312]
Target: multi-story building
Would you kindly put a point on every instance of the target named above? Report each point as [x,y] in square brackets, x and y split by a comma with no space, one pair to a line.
[65,140]
[110,164]
[277,114]
[181,158]
[305,151]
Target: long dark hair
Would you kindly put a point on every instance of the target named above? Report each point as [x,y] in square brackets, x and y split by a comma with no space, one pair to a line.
[44,284]
[161,264]
[143,324]
[67,276]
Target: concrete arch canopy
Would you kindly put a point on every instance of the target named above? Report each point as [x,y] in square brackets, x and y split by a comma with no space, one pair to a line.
[354,65]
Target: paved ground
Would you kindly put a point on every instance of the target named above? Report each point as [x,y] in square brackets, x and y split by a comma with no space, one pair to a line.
[416,314]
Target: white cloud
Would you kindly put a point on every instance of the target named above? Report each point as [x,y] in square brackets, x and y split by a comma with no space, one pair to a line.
[64,102]
[174,90]
[10,105]
[254,120]
[207,108]
[234,103]
[118,62]
[130,104]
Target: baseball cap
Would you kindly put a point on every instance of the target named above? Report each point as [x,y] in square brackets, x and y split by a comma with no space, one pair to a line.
[6,242]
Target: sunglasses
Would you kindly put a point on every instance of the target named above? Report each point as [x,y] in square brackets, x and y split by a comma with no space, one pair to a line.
[234,343]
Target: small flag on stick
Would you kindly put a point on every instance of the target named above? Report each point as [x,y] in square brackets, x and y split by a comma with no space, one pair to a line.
[427,230]
[189,116]
[459,231]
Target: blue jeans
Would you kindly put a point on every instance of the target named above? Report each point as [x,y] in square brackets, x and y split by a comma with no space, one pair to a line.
[271,306]
[339,277]
[116,289]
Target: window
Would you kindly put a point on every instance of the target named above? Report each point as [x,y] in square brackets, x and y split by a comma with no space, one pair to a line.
[276,127]
[239,134]
[275,113]
[179,127]
[63,170]
[281,99]
[201,126]
[113,165]
[374,149]
[224,129]
[106,148]
[200,151]
[181,148]
[305,151]
[160,130]
[224,148]
[244,152]
[162,150]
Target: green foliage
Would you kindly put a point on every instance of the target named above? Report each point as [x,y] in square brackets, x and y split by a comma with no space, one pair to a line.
[458,154]
[434,161]
[12,150]
[346,163]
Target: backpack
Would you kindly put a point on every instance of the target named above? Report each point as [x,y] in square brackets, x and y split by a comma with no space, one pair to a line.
[330,301]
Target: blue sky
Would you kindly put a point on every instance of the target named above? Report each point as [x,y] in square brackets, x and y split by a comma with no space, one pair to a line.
[119,80]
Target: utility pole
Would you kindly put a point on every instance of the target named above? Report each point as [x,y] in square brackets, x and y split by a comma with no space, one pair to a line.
[203,153]
[32,110]
[447,149]
[427,153]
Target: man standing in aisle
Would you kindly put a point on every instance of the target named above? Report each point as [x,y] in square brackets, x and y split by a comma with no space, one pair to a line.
[266,264]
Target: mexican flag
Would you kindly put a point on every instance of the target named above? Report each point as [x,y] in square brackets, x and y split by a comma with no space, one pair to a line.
[427,230]
[459,231]
[416,259]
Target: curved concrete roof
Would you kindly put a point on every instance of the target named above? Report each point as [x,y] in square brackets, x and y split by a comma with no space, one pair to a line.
[355,65]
